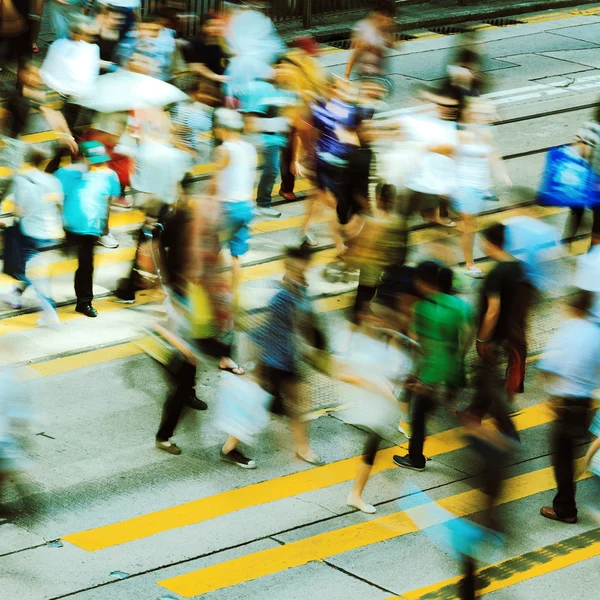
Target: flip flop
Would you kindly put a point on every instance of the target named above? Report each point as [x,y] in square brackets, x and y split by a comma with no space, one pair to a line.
[233,370]
[35,50]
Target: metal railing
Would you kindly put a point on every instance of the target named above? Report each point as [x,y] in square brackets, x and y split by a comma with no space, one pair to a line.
[280,11]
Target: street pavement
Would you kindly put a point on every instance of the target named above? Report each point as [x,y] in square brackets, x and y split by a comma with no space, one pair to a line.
[107,516]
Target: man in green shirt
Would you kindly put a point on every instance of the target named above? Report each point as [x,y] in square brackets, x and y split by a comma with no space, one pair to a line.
[442,324]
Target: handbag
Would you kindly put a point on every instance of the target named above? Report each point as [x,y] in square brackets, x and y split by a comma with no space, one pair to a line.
[12,22]
[201,312]
[13,252]
[568,180]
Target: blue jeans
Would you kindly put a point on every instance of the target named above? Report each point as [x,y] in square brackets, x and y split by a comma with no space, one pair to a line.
[30,248]
[271,159]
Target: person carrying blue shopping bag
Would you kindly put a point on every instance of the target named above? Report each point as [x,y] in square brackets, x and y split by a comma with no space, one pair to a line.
[37,198]
[570,181]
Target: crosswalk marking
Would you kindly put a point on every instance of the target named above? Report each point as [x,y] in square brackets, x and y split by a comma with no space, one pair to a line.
[287,486]
[331,543]
[516,569]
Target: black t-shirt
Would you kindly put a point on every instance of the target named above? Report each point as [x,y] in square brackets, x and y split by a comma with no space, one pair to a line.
[210,55]
[506,279]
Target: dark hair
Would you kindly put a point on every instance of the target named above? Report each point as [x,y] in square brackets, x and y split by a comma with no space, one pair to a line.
[582,300]
[297,253]
[445,280]
[36,156]
[428,272]
[495,234]
[150,19]
[466,55]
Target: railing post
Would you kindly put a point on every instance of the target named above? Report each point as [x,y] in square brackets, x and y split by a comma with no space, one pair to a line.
[307,16]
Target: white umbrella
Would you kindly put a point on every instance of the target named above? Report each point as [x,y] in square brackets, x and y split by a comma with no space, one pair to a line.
[126,90]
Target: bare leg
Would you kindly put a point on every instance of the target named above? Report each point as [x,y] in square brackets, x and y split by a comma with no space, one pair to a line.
[467,239]
[236,273]
[313,207]
[230,444]
[362,476]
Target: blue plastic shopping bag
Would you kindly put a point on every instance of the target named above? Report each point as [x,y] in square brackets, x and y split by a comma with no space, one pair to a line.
[568,180]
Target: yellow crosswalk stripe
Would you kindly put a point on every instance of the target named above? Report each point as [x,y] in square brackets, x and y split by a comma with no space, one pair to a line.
[331,543]
[288,486]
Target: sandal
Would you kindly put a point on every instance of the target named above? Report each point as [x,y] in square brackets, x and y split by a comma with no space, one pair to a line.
[235,370]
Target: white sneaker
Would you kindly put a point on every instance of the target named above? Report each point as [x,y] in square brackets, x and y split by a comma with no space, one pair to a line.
[108,241]
[268,211]
[13,300]
[309,240]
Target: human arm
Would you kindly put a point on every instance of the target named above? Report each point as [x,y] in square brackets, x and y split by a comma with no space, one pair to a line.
[488,323]
[221,160]
[358,48]
[202,70]
[57,121]
[594,447]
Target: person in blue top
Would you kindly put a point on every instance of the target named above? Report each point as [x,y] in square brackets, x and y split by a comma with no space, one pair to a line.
[88,190]
[336,121]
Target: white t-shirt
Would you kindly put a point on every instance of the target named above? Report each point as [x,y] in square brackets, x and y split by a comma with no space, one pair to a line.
[436,174]
[236,180]
[37,195]
[159,169]
[71,68]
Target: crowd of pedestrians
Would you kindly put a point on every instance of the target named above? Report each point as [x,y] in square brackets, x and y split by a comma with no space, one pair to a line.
[135,105]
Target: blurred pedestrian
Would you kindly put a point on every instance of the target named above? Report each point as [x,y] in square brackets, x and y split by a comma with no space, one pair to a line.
[442,325]
[336,120]
[152,41]
[88,191]
[71,68]
[571,366]
[128,12]
[370,39]
[289,320]
[266,105]
[477,159]
[62,14]
[37,197]
[501,302]
[586,145]
[233,183]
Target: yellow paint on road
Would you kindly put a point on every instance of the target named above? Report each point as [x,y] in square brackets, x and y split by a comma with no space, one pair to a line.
[332,543]
[197,511]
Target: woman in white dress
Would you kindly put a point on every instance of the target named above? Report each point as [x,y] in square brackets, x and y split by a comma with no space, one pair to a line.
[476,159]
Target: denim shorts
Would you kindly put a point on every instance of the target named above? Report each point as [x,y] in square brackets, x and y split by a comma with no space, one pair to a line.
[238,216]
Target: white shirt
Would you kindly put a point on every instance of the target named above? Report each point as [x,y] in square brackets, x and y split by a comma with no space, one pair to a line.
[437,172]
[71,68]
[573,357]
[159,169]
[236,180]
[37,195]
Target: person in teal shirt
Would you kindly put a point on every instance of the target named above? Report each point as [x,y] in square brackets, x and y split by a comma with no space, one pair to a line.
[265,102]
[88,190]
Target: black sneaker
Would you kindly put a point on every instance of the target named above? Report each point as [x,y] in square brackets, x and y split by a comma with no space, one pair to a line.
[196,403]
[406,463]
[235,457]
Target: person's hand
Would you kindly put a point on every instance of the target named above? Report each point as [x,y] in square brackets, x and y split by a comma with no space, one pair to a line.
[222,78]
[71,144]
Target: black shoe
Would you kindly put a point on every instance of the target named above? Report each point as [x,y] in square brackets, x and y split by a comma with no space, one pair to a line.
[406,463]
[124,296]
[196,403]
[235,457]
[86,309]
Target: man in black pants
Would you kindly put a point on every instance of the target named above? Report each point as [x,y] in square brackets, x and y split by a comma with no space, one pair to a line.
[571,365]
